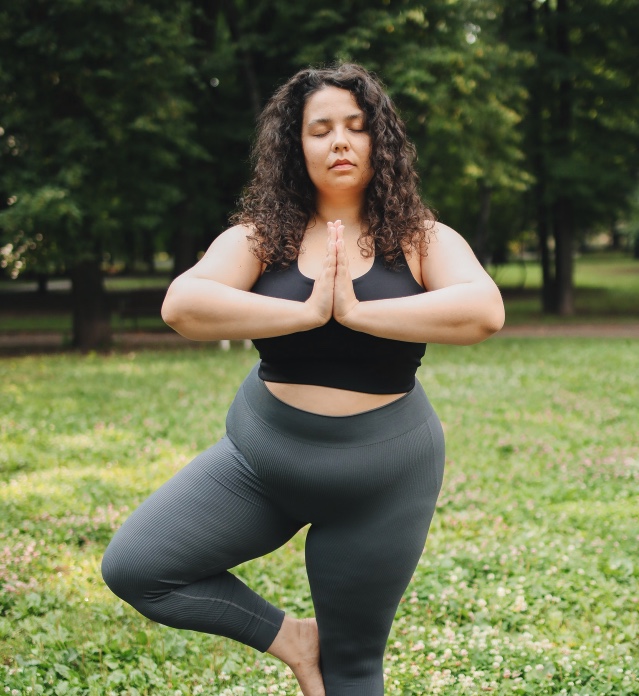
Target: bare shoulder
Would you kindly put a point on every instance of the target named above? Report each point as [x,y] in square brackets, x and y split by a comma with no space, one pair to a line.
[416,257]
[449,260]
[235,239]
[438,234]
[229,260]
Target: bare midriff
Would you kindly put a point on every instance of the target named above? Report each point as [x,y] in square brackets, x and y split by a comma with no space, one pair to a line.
[328,401]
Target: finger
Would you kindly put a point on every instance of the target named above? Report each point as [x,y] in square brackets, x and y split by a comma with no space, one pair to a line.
[331,239]
[330,261]
[342,257]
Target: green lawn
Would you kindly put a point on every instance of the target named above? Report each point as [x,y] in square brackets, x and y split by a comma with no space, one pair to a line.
[528,584]
[607,289]
[61,322]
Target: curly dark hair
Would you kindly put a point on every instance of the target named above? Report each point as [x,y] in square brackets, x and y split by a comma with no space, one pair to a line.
[279,202]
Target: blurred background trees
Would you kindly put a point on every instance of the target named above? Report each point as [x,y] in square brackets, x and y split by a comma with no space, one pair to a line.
[125,127]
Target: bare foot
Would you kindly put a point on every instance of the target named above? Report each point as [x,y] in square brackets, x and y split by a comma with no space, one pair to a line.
[297,644]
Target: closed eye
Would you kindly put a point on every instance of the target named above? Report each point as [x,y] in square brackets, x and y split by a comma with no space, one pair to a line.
[352,130]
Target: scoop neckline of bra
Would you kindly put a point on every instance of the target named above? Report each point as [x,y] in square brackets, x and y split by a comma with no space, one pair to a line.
[359,277]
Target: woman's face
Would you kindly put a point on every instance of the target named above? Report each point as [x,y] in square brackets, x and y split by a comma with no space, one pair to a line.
[336,142]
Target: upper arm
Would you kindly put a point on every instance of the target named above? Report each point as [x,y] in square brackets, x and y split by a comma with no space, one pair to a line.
[229,260]
[449,260]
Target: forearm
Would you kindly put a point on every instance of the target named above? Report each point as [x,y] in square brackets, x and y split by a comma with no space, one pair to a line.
[205,310]
[460,314]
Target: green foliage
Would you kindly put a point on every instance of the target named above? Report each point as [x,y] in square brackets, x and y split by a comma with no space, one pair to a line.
[47,209]
[125,128]
[92,103]
[528,583]
[590,153]
[453,78]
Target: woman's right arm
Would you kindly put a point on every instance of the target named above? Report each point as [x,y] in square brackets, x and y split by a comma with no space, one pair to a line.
[212,300]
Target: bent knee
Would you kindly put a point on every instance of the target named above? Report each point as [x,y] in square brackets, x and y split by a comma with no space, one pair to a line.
[125,574]
[116,573]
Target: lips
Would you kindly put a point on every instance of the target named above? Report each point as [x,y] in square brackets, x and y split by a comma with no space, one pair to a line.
[342,163]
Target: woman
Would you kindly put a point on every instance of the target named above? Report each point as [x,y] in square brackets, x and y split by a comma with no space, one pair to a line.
[340,275]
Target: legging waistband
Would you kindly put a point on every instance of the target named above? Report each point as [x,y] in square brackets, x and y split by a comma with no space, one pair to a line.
[376,425]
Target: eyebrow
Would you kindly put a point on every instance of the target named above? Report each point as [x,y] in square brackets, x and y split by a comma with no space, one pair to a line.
[351,117]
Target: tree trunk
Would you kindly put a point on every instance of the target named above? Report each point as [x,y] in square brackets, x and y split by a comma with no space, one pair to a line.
[562,206]
[548,293]
[233,20]
[536,104]
[481,231]
[148,251]
[91,312]
[43,280]
[184,244]
[615,236]
[564,292]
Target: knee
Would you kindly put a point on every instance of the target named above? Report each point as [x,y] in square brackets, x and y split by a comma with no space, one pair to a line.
[123,574]
[114,572]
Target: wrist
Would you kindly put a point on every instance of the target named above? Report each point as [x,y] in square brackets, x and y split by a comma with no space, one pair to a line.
[312,317]
[351,317]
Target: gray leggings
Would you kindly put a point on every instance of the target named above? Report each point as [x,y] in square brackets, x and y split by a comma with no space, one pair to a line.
[367,484]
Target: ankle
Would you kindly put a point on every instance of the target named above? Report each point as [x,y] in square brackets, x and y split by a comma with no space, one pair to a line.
[284,646]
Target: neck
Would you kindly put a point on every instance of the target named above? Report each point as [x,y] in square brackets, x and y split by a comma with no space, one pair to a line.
[348,210]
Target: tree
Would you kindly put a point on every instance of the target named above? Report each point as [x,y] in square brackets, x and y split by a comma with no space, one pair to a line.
[125,127]
[581,125]
[454,80]
[93,127]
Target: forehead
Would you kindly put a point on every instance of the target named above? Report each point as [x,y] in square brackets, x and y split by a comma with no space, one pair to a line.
[330,102]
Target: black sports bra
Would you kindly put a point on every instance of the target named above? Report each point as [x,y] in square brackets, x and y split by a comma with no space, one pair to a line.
[333,355]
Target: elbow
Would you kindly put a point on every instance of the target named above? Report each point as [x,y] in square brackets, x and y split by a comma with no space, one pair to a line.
[493,320]
[169,312]
[173,311]
[181,311]
[485,325]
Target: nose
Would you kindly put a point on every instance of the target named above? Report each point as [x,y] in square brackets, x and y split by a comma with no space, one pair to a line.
[340,141]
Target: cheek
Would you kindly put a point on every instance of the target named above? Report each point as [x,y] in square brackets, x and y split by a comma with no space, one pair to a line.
[314,161]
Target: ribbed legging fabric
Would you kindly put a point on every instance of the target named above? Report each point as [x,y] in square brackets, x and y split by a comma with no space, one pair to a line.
[367,485]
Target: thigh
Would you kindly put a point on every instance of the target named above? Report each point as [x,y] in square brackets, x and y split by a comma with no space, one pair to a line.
[211,516]
[358,570]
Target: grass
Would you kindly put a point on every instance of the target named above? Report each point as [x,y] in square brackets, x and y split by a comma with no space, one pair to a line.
[528,584]
[113,283]
[61,322]
[606,289]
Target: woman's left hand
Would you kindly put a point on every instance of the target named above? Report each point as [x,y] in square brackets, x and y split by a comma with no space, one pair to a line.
[344,299]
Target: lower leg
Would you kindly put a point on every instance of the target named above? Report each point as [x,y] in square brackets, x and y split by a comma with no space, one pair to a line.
[297,645]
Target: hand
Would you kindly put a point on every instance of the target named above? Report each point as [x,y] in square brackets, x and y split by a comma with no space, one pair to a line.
[321,300]
[344,299]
